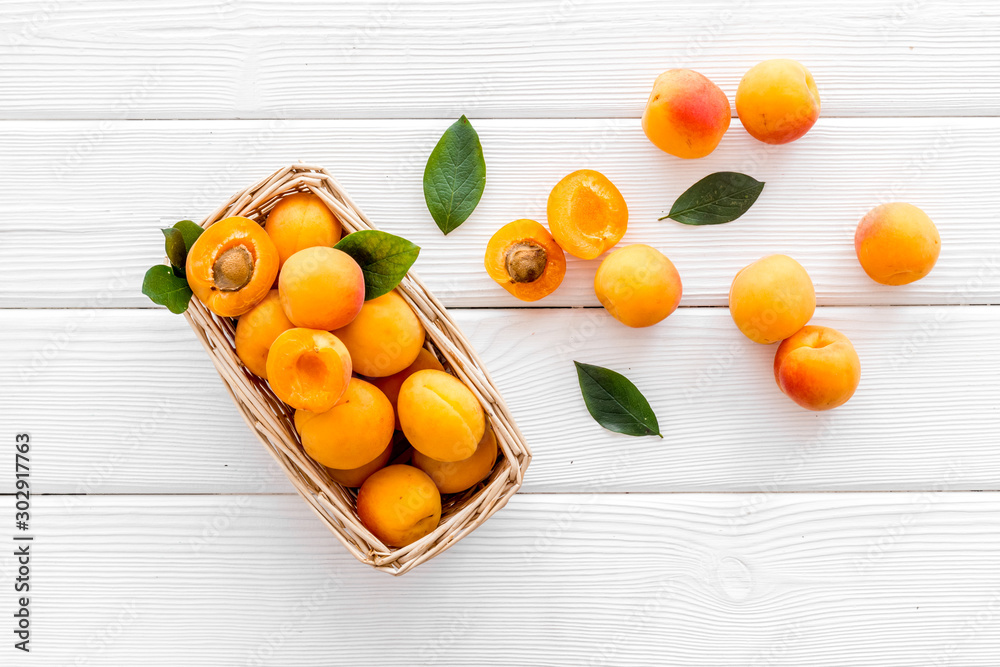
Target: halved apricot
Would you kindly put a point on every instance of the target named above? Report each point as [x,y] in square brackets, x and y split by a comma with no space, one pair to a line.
[232,266]
[301,221]
[587,214]
[524,259]
[309,369]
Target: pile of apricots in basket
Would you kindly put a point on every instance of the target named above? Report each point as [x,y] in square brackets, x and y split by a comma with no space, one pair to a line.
[355,371]
[771,300]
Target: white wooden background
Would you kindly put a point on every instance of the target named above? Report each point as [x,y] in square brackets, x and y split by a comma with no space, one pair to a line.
[754,534]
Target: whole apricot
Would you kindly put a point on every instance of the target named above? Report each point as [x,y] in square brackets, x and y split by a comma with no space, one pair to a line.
[256,331]
[686,114]
[586,213]
[457,476]
[390,384]
[308,369]
[399,505]
[817,367]
[771,299]
[301,221]
[524,259]
[440,416]
[355,477]
[777,101]
[638,285]
[321,288]
[232,266]
[385,337]
[897,244]
[351,433]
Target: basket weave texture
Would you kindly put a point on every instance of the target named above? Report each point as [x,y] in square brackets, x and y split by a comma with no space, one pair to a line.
[271,419]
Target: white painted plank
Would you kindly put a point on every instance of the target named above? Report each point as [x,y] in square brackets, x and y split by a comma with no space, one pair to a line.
[126,401]
[552,58]
[83,204]
[805,579]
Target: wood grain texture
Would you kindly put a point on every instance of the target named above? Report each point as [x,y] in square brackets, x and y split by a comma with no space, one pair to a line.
[808,579]
[127,402]
[554,58]
[88,237]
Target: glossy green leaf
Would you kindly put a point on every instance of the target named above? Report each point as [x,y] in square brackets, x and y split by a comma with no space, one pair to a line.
[614,402]
[384,259]
[718,198]
[455,176]
[166,289]
[176,250]
[190,231]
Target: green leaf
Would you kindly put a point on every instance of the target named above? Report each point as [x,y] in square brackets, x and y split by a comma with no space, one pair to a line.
[176,250]
[455,176]
[166,289]
[384,259]
[614,402]
[190,231]
[717,198]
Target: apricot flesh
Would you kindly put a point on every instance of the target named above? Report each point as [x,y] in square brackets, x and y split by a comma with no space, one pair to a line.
[771,299]
[321,288]
[385,337]
[777,101]
[301,221]
[457,476]
[256,331]
[399,505]
[897,244]
[440,416]
[686,114]
[524,259]
[586,213]
[351,433]
[232,266]
[638,285]
[817,367]
[308,369]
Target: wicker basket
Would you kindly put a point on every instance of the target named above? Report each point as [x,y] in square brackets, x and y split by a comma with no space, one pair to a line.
[271,419]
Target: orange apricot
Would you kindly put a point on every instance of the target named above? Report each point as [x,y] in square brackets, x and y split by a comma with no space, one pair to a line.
[355,477]
[524,259]
[256,331]
[308,369]
[390,384]
[586,213]
[440,416]
[638,285]
[817,367]
[232,266]
[321,288]
[771,299]
[385,337]
[351,433]
[897,244]
[686,114]
[399,505]
[457,476]
[301,221]
[777,101]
